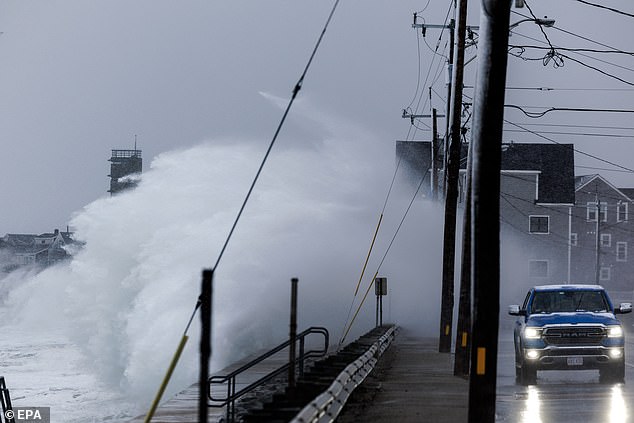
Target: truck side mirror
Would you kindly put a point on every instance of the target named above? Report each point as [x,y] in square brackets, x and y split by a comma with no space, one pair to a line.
[514,310]
[623,308]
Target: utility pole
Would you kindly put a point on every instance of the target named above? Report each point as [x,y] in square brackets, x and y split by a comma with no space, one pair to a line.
[451,177]
[434,146]
[450,61]
[463,329]
[487,142]
[597,269]
[434,155]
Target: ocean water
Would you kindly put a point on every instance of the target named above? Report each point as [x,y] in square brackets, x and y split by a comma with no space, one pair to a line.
[92,338]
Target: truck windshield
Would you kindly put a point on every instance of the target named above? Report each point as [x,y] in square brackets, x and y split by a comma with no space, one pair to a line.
[568,301]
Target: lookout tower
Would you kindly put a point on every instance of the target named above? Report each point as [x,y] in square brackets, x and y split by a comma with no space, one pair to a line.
[125,167]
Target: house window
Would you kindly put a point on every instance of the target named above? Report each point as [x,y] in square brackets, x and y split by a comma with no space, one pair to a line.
[621,212]
[591,212]
[621,251]
[538,268]
[573,239]
[538,224]
[604,274]
[606,240]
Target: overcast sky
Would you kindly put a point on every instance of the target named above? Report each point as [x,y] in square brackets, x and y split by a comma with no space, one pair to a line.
[79,78]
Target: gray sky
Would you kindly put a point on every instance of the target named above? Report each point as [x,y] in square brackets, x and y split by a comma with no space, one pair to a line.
[78,78]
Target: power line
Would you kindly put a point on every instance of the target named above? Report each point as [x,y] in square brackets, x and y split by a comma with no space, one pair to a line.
[579,126]
[582,54]
[574,149]
[564,145]
[600,6]
[431,65]
[586,50]
[597,69]
[575,133]
[602,168]
[536,115]
[296,89]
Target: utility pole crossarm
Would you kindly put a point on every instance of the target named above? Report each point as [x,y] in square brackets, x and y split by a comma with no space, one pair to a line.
[424,26]
[413,116]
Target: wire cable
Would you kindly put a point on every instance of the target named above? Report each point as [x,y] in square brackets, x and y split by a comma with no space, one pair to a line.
[606,8]
[296,89]
[574,149]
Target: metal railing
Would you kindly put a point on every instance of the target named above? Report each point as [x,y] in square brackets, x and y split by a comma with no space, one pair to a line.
[326,407]
[125,154]
[230,379]
[5,400]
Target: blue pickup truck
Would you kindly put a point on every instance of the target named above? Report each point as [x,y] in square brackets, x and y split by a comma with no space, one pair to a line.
[569,327]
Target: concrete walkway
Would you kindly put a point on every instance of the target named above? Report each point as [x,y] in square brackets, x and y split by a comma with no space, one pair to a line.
[411,383]
[183,408]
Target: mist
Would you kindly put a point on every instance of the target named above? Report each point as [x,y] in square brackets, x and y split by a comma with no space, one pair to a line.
[126,297]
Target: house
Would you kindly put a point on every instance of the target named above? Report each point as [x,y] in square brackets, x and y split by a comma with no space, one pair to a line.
[555,227]
[414,160]
[601,234]
[28,249]
[537,193]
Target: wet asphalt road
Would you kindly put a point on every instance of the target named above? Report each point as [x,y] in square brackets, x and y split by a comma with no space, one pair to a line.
[562,396]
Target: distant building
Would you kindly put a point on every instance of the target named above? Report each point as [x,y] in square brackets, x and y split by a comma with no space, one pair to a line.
[125,167]
[28,249]
[537,191]
[550,220]
[602,233]
[414,160]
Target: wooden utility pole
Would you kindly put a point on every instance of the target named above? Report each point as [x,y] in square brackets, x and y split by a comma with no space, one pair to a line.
[451,192]
[597,250]
[206,297]
[463,329]
[485,228]
[434,155]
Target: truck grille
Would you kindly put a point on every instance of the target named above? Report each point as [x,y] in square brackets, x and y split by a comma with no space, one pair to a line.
[574,335]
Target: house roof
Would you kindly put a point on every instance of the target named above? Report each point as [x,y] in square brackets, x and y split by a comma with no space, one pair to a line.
[555,162]
[19,239]
[629,192]
[581,181]
[415,155]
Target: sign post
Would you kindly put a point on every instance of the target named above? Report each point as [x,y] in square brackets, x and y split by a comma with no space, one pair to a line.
[380,289]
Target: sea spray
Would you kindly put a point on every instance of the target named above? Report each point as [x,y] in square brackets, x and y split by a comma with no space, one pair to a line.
[125,298]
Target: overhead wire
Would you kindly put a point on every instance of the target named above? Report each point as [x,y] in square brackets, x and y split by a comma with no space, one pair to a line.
[418,94]
[574,149]
[580,53]
[420,97]
[611,9]
[585,134]
[295,92]
[536,115]
[565,125]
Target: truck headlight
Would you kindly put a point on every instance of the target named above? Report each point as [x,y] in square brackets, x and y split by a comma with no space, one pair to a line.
[532,333]
[532,354]
[616,353]
[615,332]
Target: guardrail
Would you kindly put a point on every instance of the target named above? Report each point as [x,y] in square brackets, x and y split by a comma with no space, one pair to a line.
[5,400]
[326,407]
[230,379]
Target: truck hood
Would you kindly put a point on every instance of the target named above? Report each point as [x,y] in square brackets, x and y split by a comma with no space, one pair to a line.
[571,318]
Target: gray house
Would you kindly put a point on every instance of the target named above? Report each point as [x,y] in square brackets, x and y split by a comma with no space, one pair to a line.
[28,249]
[601,234]
[536,196]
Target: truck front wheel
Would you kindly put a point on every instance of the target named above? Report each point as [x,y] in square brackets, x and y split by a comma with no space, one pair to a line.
[614,373]
[528,374]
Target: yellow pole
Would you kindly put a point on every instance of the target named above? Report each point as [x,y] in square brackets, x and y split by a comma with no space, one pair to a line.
[166,379]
